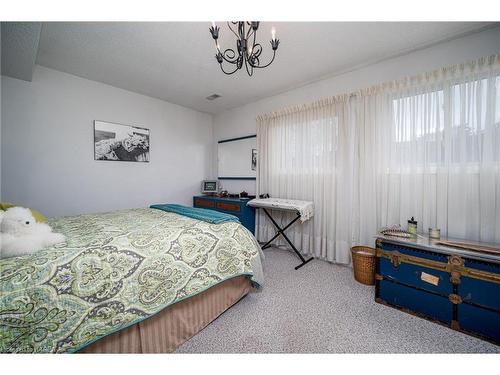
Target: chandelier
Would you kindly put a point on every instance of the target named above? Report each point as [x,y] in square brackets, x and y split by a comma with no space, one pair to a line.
[247,50]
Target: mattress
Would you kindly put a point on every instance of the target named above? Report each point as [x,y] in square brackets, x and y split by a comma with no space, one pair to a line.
[166,331]
[115,270]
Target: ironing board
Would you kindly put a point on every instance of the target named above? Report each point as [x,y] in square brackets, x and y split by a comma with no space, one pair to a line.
[303,209]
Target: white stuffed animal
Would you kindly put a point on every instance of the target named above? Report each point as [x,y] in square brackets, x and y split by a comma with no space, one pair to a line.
[20,234]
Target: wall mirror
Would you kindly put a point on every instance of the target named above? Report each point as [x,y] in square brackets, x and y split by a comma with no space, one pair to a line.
[237,158]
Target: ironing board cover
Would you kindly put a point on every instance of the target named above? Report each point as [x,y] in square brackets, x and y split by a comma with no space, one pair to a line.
[305,208]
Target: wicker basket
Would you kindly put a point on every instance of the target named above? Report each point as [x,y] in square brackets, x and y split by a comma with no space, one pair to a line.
[363,261]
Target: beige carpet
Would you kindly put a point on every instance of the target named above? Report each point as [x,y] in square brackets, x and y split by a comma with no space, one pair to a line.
[321,309]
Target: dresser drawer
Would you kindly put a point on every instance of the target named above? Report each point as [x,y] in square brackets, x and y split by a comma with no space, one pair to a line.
[204,203]
[228,206]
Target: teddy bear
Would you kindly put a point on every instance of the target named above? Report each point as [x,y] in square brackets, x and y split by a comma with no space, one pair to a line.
[20,234]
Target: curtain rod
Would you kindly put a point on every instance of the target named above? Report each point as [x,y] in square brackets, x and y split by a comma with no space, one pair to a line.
[437,75]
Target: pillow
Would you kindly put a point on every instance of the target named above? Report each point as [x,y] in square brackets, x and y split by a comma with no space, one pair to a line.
[37,215]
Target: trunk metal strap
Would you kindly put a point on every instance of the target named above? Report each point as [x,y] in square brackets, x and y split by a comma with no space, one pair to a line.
[455,266]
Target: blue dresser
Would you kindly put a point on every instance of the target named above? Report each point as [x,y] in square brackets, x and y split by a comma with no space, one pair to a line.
[454,287]
[234,206]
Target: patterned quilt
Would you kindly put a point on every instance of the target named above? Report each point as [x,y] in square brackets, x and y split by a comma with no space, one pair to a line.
[116,269]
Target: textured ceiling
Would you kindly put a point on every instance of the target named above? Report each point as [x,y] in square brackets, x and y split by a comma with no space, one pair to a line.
[175,61]
[19,48]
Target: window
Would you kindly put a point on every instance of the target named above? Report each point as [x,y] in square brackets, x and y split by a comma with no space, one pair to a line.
[306,146]
[455,124]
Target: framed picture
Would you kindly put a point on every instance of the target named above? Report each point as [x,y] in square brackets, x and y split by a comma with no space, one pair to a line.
[120,142]
[254,159]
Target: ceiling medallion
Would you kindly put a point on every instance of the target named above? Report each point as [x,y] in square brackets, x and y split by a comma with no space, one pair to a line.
[247,50]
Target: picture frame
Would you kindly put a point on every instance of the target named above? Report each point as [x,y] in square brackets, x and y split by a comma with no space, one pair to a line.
[120,142]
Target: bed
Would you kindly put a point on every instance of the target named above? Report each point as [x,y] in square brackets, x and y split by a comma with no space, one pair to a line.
[131,281]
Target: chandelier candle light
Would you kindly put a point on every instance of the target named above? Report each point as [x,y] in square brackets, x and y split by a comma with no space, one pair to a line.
[247,50]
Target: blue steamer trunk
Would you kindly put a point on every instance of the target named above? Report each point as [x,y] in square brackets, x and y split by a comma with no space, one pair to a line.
[453,287]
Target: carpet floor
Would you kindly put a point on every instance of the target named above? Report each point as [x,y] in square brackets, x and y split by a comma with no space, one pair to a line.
[321,309]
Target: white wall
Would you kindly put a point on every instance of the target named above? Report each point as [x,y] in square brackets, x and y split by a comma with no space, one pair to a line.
[48,153]
[241,121]
[1,79]
[0,116]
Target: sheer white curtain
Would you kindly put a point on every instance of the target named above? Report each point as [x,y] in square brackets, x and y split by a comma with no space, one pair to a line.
[441,153]
[426,146]
[305,154]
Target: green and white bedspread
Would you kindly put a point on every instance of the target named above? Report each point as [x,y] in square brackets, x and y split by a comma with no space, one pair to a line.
[115,270]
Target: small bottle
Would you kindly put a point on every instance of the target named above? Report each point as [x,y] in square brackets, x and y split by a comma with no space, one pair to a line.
[412,227]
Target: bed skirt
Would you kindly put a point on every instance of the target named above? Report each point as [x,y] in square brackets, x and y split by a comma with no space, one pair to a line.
[166,331]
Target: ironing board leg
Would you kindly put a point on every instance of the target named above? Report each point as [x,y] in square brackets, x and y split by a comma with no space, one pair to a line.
[281,231]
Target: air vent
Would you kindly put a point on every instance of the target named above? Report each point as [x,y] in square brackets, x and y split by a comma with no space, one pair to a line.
[213,96]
